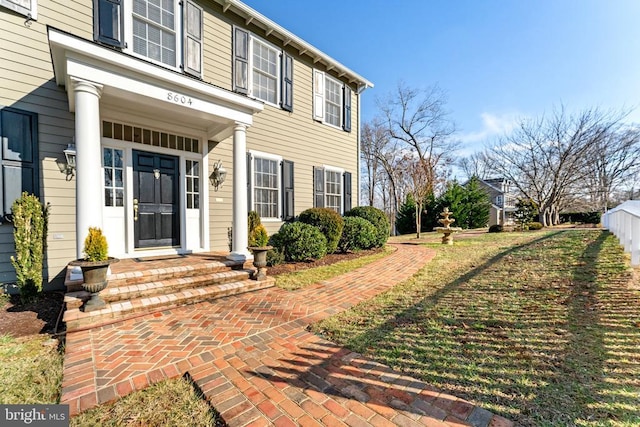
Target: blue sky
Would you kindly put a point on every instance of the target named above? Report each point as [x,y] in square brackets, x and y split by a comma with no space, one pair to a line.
[496,59]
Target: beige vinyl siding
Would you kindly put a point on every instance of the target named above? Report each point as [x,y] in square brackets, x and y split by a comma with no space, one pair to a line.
[26,82]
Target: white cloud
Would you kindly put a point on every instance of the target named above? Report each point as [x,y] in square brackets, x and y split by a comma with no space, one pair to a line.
[492,125]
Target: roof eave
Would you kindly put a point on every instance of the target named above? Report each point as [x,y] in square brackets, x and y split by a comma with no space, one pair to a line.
[289,39]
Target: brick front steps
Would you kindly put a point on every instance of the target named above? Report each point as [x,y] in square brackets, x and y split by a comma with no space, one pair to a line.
[142,287]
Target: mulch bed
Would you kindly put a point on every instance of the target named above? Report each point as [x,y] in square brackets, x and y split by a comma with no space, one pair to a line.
[39,316]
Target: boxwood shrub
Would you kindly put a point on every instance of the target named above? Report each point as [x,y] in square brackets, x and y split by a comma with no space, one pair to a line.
[328,221]
[358,234]
[495,228]
[301,242]
[376,217]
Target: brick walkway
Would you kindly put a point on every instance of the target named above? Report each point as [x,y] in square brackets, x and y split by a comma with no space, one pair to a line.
[253,359]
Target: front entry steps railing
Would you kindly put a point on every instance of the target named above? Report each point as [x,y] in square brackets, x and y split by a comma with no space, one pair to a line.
[143,286]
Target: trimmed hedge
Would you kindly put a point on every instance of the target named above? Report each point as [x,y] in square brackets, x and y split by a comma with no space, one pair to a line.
[358,234]
[328,221]
[496,228]
[581,217]
[534,226]
[300,242]
[376,217]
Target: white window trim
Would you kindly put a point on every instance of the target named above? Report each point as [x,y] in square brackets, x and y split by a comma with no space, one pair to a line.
[250,68]
[341,172]
[340,107]
[128,35]
[268,156]
[31,13]
[320,96]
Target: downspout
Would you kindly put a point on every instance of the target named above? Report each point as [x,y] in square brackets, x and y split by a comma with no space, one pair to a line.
[361,88]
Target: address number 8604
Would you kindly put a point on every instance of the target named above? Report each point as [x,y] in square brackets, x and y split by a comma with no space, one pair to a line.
[179,99]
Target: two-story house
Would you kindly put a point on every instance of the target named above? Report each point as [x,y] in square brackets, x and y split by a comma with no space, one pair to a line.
[158,101]
[503,201]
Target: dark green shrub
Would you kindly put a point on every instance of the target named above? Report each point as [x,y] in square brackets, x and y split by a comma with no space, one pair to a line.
[328,221]
[275,256]
[301,242]
[581,217]
[495,228]
[30,218]
[358,234]
[534,226]
[377,218]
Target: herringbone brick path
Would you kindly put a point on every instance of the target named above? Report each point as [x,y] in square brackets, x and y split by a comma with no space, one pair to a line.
[253,359]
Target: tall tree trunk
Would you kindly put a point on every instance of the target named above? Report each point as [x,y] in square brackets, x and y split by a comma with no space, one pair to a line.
[418,219]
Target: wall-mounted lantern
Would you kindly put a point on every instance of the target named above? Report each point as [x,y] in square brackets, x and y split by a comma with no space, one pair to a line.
[218,175]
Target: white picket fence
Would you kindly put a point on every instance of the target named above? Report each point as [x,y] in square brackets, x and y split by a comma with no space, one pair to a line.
[624,222]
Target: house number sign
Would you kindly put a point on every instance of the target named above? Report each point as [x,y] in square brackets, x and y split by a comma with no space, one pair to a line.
[179,99]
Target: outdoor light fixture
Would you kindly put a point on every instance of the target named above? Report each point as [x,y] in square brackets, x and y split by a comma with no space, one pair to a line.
[70,155]
[218,175]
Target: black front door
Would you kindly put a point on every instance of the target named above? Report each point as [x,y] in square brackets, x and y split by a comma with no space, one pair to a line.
[155,192]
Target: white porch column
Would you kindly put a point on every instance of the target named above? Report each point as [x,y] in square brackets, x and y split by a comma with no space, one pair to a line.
[88,160]
[240,234]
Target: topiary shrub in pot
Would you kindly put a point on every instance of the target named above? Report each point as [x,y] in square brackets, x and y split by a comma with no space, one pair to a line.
[258,245]
[358,234]
[376,217]
[328,221]
[95,266]
[302,242]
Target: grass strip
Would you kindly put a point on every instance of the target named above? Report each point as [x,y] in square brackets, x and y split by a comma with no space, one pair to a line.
[300,279]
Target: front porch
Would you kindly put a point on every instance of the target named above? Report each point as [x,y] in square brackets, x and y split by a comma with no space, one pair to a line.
[140,286]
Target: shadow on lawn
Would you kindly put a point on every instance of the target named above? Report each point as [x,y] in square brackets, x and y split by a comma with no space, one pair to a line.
[544,334]
[547,333]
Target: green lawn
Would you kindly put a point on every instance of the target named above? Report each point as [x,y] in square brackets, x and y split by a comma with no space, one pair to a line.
[542,328]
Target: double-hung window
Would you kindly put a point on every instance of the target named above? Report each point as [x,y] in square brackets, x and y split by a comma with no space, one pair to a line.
[262,70]
[154,28]
[332,188]
[168,32]
[28,8]
[19,164]
[270,186]
[331,101]
[265,184]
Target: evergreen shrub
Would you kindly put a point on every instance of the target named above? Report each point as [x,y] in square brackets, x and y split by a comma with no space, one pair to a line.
[328,221]
[358,234]
[376,217]
[30,219]
[301,242]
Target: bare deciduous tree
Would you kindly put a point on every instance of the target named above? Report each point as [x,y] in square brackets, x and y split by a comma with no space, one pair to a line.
[550,159]
[419,124]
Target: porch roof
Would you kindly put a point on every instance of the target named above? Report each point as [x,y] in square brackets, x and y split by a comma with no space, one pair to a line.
[138,85]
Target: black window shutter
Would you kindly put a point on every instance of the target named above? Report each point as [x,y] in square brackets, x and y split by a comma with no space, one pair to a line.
[108,22]
[347,109]
[288,211]
[249,186]
[318,187]
[240,61]
[287,82]
[19,156]
[192,33]
[347,192]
